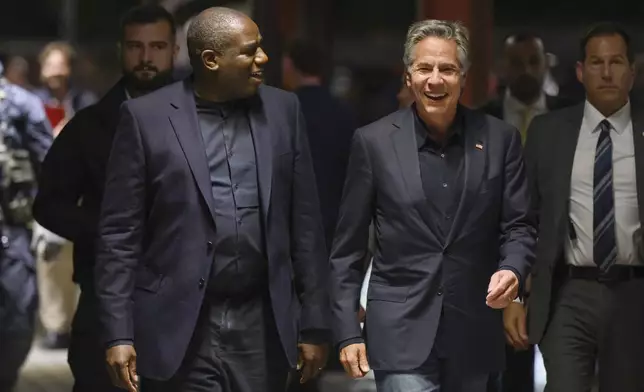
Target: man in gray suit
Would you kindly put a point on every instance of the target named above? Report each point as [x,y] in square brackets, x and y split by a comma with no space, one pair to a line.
[445,187]
[586,170]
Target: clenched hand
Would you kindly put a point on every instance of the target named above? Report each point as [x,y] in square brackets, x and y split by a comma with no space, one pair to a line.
[502,290]
[121,365]
[514,323]
[313,358]
[354,360]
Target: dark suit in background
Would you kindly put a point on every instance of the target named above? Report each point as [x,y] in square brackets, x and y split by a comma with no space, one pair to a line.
[436,247]
[330,125]
[608,316]
[519,373]
[161,263]
[68,204]
[586,176]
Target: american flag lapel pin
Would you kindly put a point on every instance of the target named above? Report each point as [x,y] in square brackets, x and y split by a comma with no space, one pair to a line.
[479,146]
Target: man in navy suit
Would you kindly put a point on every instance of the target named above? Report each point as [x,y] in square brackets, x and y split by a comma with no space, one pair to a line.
[446,190]
[211,265]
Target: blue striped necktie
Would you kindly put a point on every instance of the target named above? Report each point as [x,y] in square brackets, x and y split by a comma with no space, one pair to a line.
[604,242]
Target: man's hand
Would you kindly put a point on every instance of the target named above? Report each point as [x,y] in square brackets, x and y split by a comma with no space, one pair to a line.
[121,365]
[313,358]
[514,323]
[354,360]
[362,315]
[502,290]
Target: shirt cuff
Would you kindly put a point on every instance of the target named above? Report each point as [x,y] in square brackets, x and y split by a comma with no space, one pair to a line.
[314,336]
[121,342]
[520,293]
[349,342]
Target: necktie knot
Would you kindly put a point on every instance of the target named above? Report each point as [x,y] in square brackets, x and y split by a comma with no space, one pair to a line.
[605,126]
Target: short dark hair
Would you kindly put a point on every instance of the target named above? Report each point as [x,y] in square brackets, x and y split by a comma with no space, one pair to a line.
[604,29]
[146,14]
[306,57]
[212,30]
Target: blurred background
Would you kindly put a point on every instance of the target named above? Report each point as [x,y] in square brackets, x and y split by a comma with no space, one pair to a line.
[362,45]
[362,39]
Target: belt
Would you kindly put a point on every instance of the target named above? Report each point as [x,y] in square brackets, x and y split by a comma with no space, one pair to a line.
[616,273]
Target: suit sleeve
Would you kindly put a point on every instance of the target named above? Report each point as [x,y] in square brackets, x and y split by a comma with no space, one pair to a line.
[518,230]
[531,158]
[121,227]
[531,154]
[308,249]
[59,188]
[350,244]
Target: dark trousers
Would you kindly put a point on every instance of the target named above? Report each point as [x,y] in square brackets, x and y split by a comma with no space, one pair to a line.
[519,372]
[86,355]
[518,375]
[18,300]
[235,348]
[15,348]
[595,324]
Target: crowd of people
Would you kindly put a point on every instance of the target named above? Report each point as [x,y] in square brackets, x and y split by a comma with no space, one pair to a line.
[214,233]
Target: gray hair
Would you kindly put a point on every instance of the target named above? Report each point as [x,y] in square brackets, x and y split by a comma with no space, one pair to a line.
[444,29]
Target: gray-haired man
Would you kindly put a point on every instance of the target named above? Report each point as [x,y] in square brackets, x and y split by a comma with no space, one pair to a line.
[445,187]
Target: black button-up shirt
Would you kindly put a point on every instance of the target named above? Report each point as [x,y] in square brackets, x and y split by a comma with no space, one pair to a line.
[238,244]
[441,170]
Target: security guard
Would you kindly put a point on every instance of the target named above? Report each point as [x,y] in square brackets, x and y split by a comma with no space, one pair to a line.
[25,137]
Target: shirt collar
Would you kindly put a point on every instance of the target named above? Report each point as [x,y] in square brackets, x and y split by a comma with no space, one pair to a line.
[454,132]
[618,120]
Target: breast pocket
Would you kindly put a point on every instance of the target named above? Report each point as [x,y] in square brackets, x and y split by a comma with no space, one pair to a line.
[148,280]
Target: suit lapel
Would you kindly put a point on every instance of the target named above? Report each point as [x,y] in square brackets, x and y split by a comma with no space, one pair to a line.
[183,117]
[263,151]
[638,141]
[406,149]
[474,168]
[564,157]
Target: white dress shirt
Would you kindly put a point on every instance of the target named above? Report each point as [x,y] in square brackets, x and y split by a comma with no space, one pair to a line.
[515,111]
[579,251]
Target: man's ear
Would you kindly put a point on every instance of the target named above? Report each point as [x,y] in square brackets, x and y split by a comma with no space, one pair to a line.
[407,79]
[210,59]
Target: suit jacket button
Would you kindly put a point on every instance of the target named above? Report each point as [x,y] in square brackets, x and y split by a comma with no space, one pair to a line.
[440,291]
[209,245]
[202,281]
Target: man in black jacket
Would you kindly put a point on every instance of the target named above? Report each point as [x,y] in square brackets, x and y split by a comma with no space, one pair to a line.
[446,189]
[211,270]
[525,69]
[73,178]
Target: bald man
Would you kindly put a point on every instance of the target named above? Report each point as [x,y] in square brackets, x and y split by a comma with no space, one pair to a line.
[211,268]
[525,68]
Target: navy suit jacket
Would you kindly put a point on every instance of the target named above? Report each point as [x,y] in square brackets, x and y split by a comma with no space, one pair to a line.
[157,228]
[419,280]
[71,183]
